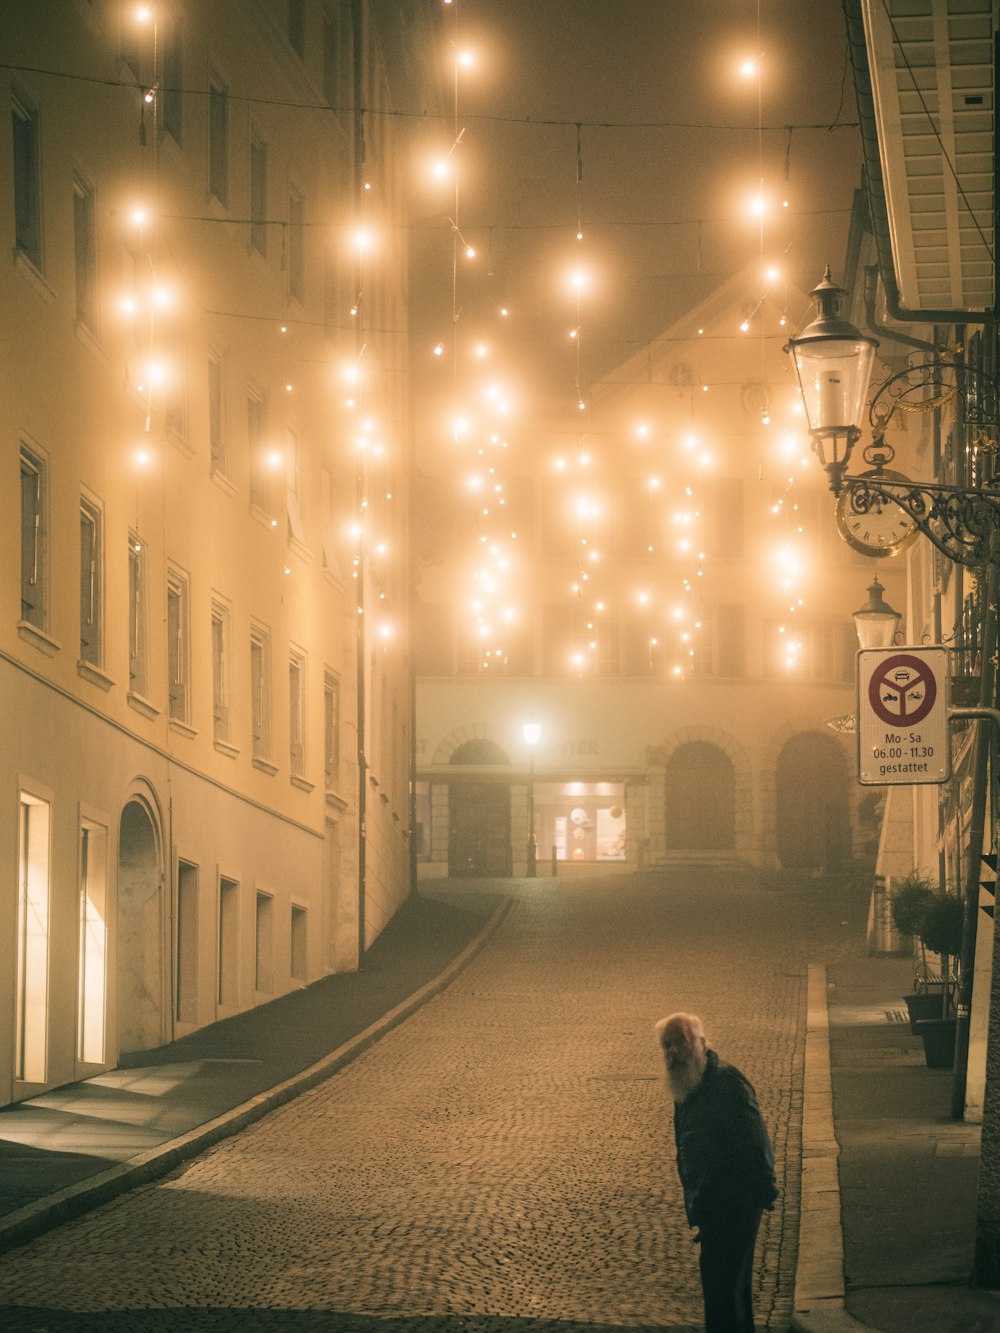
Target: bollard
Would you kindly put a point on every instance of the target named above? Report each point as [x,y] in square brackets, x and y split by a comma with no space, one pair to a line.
[555,864]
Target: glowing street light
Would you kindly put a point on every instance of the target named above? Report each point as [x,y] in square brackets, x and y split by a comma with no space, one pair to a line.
[532,732]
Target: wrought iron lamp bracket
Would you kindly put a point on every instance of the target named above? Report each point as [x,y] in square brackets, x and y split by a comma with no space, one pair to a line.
[960,523]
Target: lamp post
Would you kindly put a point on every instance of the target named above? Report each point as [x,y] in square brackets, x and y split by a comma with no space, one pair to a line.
[532,735]
[876,622]
[833,363]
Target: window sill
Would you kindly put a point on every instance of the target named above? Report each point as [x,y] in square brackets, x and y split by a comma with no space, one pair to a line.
[142,705]
[184,728]
[223,747]
[86,335]
[180,442]
[262,517]
[300,548]
[87,671]
[223,482]
[335,802]
[265,766]
[33,276]
[38,638]
[302,783]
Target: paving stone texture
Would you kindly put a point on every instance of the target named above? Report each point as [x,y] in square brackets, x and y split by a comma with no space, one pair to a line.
[502,1161]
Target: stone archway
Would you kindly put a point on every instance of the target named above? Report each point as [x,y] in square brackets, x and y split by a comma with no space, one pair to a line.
[700,799]
[479,841]
[140,972]
[812,806]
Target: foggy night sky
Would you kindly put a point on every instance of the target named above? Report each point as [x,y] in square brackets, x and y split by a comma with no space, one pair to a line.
[669,137]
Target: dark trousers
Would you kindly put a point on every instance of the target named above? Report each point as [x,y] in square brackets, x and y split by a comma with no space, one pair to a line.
[726,1264]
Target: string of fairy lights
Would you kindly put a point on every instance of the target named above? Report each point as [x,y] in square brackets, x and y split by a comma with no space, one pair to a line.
[661,621]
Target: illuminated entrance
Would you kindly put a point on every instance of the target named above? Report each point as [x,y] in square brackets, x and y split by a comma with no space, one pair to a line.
[580,821]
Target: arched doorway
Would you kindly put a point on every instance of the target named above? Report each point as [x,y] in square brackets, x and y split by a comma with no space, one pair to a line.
[479,816]
[140,931]
[811,791]
[700,799]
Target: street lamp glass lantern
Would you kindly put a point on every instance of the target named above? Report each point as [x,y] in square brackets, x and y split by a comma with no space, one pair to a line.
[833,363]
[532,732]
[876,622]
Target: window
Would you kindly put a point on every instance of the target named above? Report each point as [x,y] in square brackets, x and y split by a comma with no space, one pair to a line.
[172,95]
[91,583]
[296,247]
[220,673]
[297,26]
[178,647]
[300,943]
[33,539]
[187,943]
[137,661]
[85,253]
[260,466]
[331,731]
[93,962]
[260,692]
[718,644]
[297,712]
[31,1024]
[27,198]
[331,57]
[218,140]
[293,491]
[217,442]
[726,533]
[229,941]
[264,943]
[258,194]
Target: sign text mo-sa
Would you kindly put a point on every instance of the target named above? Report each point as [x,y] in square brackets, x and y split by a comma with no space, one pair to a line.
[903,716]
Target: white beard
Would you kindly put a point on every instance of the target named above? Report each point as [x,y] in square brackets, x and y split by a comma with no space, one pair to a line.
[686,1075]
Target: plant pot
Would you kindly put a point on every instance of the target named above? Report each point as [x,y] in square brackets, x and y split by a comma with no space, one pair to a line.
[926,1004]
[938,1035]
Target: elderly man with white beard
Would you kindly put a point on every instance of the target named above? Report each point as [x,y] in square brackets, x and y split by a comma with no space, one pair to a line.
[725,1164]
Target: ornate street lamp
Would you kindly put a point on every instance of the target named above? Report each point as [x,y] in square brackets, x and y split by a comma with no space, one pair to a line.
[876,622]
[833,362]
[532,735]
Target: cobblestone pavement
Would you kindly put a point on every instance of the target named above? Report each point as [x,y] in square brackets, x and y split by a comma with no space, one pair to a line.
[500,1162]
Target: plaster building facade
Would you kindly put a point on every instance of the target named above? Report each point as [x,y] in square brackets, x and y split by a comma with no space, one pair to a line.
[186,687]
[922,269]
[683,641]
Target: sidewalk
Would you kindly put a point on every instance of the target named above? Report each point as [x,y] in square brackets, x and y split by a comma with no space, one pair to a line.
[889,1179]
[71,1149]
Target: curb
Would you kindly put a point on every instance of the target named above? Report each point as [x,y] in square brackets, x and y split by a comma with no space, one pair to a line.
[25,1223]
[819,1272]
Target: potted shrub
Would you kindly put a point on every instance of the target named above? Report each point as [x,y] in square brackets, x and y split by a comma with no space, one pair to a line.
[940,932]
[910,900]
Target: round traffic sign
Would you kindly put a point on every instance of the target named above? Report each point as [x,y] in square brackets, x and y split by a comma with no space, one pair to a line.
[902,690]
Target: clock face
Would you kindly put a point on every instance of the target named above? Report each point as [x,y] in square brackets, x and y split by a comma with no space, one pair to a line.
[884,530]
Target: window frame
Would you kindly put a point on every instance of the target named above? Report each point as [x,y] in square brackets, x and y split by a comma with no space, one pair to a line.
[92,584]
[179,647]
[27,180]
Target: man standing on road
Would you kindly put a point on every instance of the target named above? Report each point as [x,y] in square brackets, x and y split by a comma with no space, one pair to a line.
[725,1164]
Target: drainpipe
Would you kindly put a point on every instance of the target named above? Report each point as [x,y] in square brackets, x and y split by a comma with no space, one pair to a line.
[360,637]
[977,820]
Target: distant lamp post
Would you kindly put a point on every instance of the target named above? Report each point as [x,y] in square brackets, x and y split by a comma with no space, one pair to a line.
[876,622]
[532,735]
[833,362]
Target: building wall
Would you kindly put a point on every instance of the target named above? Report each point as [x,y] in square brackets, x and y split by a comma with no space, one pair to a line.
[211,431]
[669,594]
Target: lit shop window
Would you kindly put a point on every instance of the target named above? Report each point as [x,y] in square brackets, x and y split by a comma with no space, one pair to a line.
[580,821]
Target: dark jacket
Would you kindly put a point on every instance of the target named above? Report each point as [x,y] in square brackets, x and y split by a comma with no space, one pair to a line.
[724,1156]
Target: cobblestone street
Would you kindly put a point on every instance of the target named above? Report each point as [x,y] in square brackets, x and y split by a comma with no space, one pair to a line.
[502,1161]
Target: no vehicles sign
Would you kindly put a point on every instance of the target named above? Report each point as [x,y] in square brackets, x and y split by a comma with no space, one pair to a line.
[903,716]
